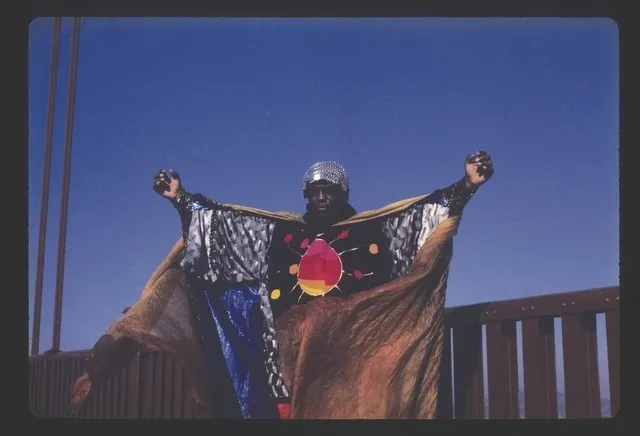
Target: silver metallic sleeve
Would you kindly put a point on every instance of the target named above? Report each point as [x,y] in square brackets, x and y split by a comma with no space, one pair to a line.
[407,231]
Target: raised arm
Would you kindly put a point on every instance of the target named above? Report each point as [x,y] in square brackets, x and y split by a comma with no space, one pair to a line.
[225,245]
[196,214]
[478,168]
[221,241]
[169,185]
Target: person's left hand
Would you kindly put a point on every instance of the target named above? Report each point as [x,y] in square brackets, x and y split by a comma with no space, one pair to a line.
[478,168]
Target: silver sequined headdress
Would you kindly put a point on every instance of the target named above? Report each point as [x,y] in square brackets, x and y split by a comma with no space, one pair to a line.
[330,171]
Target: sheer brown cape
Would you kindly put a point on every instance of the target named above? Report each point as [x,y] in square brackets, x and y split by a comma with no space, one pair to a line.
[375,354]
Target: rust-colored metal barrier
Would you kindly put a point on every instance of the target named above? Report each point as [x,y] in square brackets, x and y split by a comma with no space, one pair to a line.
[152,386]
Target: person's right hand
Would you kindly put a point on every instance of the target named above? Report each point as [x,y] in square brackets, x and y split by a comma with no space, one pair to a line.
[167,184]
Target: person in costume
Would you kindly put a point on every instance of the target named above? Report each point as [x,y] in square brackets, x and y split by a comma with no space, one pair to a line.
[332,314]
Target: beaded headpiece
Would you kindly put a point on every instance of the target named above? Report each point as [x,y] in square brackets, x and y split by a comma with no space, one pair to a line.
[330,171]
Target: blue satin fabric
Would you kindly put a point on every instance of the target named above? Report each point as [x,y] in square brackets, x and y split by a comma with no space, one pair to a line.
[239,322]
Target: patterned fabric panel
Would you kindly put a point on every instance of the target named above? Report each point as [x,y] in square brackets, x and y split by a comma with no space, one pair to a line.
[236,311]
[406,232]
[240,242]
[227,246]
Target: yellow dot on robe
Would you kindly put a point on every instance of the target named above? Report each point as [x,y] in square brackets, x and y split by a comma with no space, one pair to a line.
[293,269]
[373,249]
[275,294]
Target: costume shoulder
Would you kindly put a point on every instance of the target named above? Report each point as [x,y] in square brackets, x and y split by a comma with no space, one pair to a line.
[386,211]
[284,216]
[208,203]
[211,228]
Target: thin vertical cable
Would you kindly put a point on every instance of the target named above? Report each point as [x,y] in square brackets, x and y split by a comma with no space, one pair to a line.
[62,236]
[44,203]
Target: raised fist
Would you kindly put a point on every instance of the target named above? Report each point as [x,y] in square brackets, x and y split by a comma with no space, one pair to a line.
[478,168]
[167,184]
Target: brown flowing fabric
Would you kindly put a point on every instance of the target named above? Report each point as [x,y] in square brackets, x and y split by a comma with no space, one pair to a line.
[376,354]
[160,320]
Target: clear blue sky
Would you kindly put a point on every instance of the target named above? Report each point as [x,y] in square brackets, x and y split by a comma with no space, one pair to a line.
[241,107]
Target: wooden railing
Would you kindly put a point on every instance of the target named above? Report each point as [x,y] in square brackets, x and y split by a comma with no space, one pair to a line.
[465,397]
[152,385]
